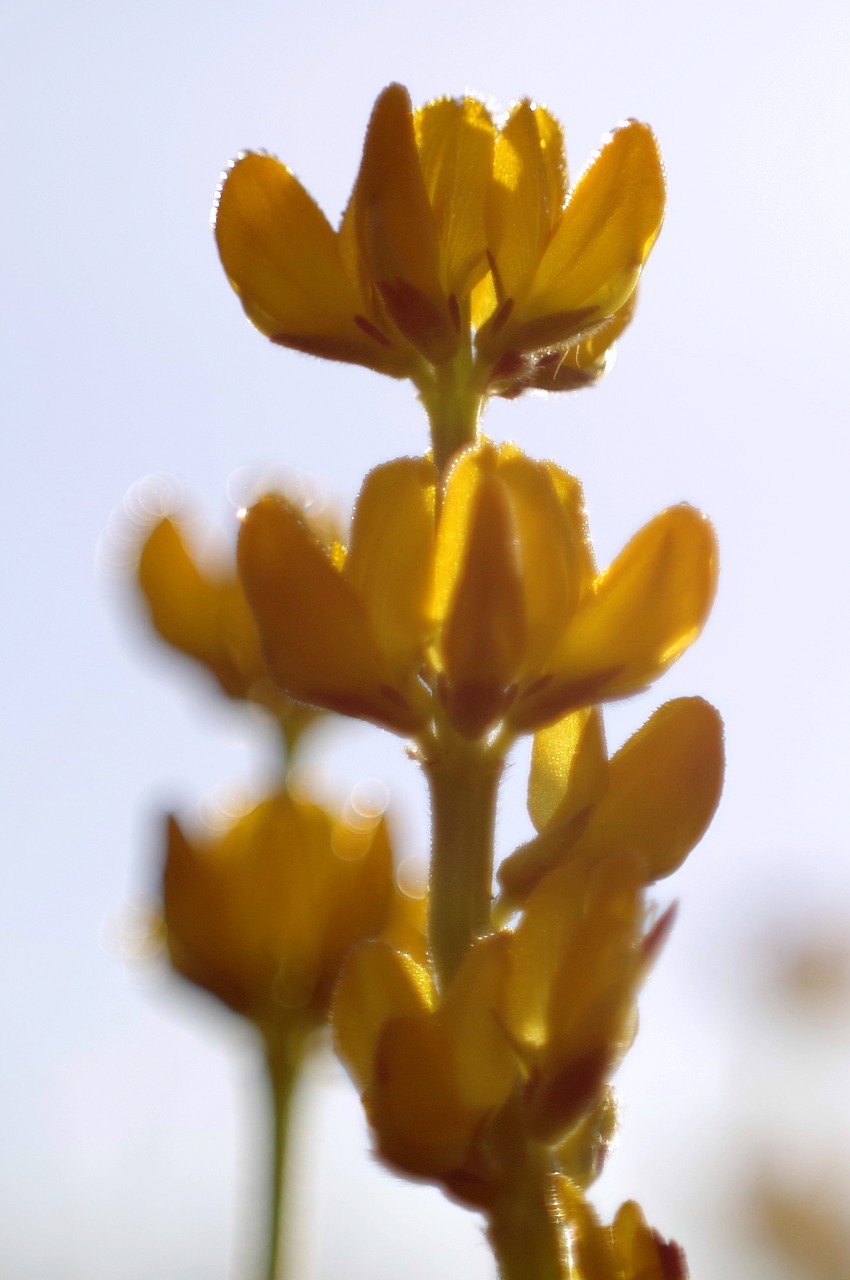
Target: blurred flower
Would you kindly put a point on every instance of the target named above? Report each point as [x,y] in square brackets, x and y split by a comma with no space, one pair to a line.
[808,1224]
[490,611]
[655,797]
[202,612]
[263,915]
[518,1048]
[454,228]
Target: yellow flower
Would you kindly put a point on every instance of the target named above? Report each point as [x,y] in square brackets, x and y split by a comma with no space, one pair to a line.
[519,1046]
[262,915]
[430,1071]
[655,797]
[385,289]
[348,631]
[462,260]
[485,607]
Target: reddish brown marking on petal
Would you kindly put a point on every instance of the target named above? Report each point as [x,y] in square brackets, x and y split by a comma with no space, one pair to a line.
[497,279]
[372,330]
[561,698]
[501,316]
[654,940]
[560,1100]
[393,695]
[535,686]
[511,364]
[419,320]
[454,312]
[328,348]
[672,1258]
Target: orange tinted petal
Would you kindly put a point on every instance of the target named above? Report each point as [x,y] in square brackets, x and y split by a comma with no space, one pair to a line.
[314,628]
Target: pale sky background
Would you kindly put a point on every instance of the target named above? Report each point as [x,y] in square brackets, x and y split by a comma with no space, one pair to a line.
[129,1134]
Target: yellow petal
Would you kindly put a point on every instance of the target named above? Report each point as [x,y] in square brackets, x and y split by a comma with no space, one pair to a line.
[641,1252]
[483,636]
[203,615]
[397,229]
[643,613]
[589,1013]
[551,918]
[569,768]
[607,229]
[485,1062]
[527,195]
[262,914]
[390,562]
[548,511]
[181,600]
[314,629]
[282,257]
[423,1125]
[377,984]
[455,141]
[663,788]
[363,888]
[591,1246]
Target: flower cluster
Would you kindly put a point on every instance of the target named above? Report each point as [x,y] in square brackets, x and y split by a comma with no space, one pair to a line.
[474,596]
[463,609]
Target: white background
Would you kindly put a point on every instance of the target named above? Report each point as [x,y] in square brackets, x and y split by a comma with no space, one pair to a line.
[131,1139]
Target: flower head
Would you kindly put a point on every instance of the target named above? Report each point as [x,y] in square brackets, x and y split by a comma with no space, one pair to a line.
[463,261]
[477,599]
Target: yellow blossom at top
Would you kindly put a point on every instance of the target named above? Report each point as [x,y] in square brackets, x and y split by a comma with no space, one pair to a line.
[463,261]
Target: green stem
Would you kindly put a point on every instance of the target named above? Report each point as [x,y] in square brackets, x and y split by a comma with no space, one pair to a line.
[453,402]
[524,1232]
[522,1225]
[284,1058]
[464,779]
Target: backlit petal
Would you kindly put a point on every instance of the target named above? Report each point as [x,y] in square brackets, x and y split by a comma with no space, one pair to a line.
[485,1062]
[483,636]
[527,196]
[607,229]
[455,139]
[281,254]
[643,613]
[569,768]
[315,631]
[549,515]
[377,984]
[663,788]
[397,229]
[390,562]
